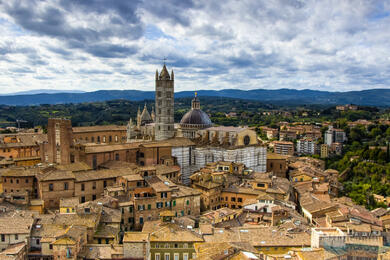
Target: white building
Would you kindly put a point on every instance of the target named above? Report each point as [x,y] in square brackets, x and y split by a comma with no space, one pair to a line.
[306,146]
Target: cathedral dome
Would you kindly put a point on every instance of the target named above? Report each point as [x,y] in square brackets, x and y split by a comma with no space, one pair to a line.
[195,118]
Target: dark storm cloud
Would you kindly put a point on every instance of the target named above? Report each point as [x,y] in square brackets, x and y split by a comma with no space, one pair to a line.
[175,11]
[45,18]
[109,50]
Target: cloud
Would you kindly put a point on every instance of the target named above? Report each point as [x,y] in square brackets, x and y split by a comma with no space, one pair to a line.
[100,44]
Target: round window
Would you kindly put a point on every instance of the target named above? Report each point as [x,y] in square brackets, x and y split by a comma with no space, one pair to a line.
[247,140]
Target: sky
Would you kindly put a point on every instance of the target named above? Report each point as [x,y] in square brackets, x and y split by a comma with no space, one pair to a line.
[241,44]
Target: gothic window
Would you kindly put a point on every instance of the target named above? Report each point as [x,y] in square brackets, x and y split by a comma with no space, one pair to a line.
[247,140]
[158,93]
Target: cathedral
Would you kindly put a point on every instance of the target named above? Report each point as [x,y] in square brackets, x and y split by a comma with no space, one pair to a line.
[195,141]
[159,124]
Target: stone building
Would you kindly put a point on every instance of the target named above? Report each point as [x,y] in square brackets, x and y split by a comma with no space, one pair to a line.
[17,181]
[277,164]
[111,134]
[147,196]
[283,147]
[21,149]
[164,128]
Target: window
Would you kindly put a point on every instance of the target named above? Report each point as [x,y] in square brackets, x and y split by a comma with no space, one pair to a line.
[174,203]
[110,138]
[17,181]
[26,180]
[104,139]
[188,202]
[167,256]
[176,256]
[94,185]
[94,161]
[185,256]
[233,199]
[92,139]
[82,186]
[99,240]
[117,156]
[12,181]
[157,256]
[105,184]
[98,139]
[116,138]
[37,241]
[93,197]
[131,209]
[50,247]
[51,187]
[141,220]
[247,140]
[239,199]
[66,186]
[16,237]
[82,199]
[158,93]
[149,207]
[107,241]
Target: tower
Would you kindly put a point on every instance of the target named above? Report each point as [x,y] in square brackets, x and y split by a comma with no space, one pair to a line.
[164,127]
[60,138]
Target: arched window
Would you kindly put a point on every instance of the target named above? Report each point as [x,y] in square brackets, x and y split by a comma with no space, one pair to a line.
[247,140]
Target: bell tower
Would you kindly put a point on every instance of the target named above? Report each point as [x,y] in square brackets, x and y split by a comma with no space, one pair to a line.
[164,127]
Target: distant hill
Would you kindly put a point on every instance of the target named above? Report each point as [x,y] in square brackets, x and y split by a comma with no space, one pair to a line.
[372,97]
[41,91]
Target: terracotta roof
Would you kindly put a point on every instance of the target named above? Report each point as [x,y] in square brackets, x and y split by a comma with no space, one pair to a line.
[69,202]
[133,177]
[98,128]
[56,175]
[172,233]
[100,174]
[180,141]
[96,251]
[74,167]
[275,156]
[226,129]
[106,231]
[12,251]
[135,237]
[100,148]
[16,224]
[260,236]
[19,172]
